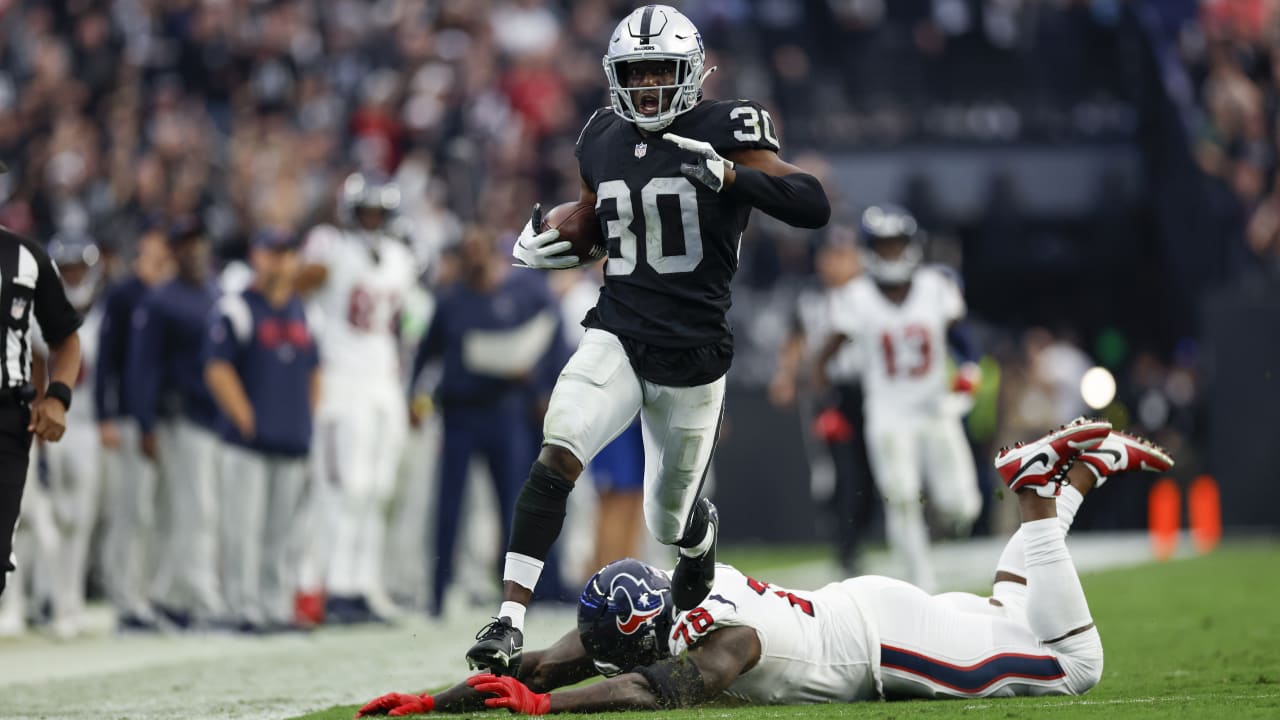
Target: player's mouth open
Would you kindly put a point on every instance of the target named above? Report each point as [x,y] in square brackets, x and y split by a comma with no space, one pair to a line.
[648,104]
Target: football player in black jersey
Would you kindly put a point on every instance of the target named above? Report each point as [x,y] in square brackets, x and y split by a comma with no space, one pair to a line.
[673,179]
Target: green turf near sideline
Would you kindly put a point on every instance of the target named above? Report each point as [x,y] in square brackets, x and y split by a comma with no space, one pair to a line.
[1196,638]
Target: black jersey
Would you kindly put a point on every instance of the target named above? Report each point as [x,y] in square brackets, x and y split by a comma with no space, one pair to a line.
[673,243]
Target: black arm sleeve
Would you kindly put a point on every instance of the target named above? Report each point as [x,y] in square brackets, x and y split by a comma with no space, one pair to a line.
[796,199]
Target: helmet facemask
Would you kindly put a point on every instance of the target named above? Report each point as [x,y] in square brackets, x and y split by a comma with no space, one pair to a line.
[369,203]
[892,246]
[672,100]
[656,33]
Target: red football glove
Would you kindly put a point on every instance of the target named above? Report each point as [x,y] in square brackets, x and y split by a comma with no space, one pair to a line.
[511,694]
[831,426]
[967,378]
[398,705]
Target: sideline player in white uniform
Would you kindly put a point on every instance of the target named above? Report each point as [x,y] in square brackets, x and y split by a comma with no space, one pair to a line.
[75,464]
[360,274]
[864,638]
[901,317]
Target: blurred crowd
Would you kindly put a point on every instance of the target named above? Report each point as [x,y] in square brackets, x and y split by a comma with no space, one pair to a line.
[124,122]
[1233,60]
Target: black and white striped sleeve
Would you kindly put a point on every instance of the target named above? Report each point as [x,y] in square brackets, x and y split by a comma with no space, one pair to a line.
[53,311]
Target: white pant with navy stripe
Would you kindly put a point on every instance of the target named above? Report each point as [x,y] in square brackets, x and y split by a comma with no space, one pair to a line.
[1032,637]
[598,395]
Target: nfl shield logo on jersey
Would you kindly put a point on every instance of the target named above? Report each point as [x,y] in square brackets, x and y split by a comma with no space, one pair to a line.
[641,149]
[18,308]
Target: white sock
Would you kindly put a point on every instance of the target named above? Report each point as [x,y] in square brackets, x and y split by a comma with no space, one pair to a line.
[515,612]
[1068,505]
[522,570]
[702,547]
[1056,604]
[1013,559]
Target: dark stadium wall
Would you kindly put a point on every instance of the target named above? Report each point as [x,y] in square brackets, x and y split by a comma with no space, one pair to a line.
[761,474]
[1242,343]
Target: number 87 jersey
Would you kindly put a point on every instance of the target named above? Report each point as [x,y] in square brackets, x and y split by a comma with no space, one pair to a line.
[673,243]
[815,646]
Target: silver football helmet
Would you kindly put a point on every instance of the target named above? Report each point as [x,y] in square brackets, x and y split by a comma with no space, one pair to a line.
[882,223]
[656,32]
[76,256]
[368,191]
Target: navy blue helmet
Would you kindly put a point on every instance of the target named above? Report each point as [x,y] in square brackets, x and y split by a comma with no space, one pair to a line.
[625,616]
[882,228]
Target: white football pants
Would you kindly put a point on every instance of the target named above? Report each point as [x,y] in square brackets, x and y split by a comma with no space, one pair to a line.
[905,452]
[361,430]
[963,645]
[598,395]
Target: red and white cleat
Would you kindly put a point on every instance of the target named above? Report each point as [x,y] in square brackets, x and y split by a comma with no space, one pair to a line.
[1043,464]
[1120,451]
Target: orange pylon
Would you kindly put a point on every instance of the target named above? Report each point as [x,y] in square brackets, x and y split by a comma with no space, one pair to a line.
[1204,507]
[1164,517]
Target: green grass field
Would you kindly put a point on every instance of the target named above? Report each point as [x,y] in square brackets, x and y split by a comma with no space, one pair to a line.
[1197,638]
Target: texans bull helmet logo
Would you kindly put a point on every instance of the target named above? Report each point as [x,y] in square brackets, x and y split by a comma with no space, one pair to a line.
[635,602]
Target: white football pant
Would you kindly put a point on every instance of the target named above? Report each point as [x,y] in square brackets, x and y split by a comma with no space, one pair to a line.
[905,452]
[963,645]
[598,395]
[361,430]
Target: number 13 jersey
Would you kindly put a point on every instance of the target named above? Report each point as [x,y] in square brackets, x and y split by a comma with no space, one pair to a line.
[673,243]
[815,646]
[902,349]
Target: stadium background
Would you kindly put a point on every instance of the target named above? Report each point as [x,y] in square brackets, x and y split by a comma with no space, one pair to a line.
[1101,172]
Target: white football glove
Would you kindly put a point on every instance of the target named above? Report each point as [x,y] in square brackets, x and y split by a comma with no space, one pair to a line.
[710,171]
[539,250]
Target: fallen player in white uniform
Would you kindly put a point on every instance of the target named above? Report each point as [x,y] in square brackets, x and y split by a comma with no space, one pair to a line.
[864,638]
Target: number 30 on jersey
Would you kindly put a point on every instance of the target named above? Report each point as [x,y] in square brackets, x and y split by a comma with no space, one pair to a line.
[620,229]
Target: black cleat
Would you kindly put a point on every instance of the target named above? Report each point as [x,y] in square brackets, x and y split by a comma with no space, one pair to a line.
[694,576]
[499,649]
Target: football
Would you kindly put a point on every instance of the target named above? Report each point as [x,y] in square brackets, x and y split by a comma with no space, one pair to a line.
[577,224]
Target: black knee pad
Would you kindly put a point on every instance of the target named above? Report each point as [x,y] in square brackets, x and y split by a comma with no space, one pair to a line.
[540,510]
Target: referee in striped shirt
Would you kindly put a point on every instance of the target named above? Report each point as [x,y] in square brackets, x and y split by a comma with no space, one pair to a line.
[30,285]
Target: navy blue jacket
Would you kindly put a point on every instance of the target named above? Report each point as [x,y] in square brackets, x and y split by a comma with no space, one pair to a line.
[166,362]
[470,328]
[274,354]
[112,396]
